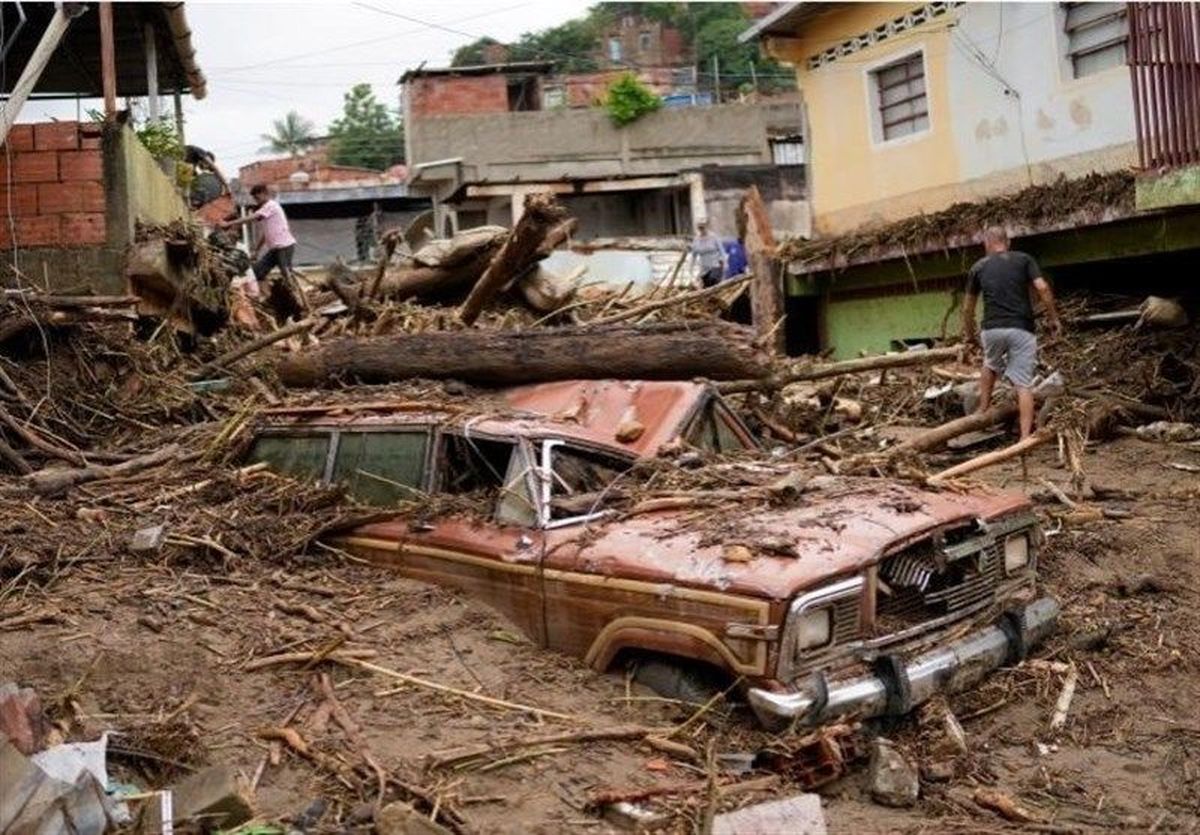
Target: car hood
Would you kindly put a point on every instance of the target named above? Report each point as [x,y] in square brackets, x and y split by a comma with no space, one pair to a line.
[837,527]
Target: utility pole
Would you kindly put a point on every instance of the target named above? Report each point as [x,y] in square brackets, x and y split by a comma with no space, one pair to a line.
[717,79]
[754,78]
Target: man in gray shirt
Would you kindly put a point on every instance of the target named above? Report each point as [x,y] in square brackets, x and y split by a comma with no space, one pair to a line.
[1006,280]
[709,256]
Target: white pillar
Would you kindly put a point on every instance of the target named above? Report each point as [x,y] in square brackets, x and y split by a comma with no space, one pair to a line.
[152,72]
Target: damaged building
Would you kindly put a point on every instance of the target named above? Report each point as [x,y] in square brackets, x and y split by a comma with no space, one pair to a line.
[921,130]
[74,192]
[479,138]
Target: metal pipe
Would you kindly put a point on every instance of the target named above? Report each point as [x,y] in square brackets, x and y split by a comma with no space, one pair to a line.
[108,61]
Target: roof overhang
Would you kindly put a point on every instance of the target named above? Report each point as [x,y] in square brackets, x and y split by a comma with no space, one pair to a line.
[511,68]
[384,191]
[785,21]
[74,68]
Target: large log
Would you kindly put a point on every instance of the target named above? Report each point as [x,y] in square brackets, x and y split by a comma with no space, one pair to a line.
[666,351]
[542,216]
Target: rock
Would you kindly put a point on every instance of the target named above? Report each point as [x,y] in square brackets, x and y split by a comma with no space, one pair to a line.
[799,815]
[955,734]
[736,553]
[893,779]
[634,817]
[147,540]
[401,818]
[942,771]
[215,794]
[21,720]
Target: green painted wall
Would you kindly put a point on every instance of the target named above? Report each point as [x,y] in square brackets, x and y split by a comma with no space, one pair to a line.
[868,325]
[1178,187]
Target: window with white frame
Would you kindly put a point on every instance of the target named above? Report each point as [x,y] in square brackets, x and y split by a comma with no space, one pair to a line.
[1097,36]
[902,107]
[614,49]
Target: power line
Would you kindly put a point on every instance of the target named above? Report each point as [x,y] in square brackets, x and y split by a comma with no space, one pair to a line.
[380,39]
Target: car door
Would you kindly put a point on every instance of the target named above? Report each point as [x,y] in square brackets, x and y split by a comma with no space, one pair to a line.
[494,557]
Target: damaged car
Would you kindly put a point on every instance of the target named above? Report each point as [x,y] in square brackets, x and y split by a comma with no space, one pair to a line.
[857,596]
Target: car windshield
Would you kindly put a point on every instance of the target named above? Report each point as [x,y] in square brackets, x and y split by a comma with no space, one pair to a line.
[498,471]
[579,481]
[712,431]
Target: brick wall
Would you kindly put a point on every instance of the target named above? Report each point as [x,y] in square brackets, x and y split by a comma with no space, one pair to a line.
[52,183]
[442,95]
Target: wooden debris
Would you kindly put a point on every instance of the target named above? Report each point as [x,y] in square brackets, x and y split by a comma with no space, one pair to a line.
[473,753]
[780,379]
[1063,706]
[989,458]
[54,481]
[248,348]
[541,217]
[1004,806]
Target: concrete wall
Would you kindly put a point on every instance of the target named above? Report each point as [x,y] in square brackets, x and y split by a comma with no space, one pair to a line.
[782,188]
[76,197]
[1004,110]
[585,144]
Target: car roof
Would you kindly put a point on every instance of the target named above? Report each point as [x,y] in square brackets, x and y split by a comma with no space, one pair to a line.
[589,411]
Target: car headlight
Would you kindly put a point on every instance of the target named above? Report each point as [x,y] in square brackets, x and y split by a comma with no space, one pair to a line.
[814,629]
[1016,552]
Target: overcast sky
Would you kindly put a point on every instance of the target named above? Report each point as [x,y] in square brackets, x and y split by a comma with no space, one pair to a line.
[263,59]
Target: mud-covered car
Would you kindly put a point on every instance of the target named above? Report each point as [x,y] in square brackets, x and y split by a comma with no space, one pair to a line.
[865,596]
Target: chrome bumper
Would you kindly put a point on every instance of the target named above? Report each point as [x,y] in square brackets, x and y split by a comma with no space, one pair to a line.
[899,685]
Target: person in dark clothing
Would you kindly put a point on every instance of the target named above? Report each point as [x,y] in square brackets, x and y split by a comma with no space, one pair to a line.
[1007,280]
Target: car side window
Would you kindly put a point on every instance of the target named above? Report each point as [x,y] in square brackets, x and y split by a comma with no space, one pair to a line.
[578,481]
[299,456]
[381,468]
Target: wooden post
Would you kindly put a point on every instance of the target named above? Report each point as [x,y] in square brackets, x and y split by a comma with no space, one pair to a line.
[766,290]
[152,72]
[179,116]
[108,61]
[33,71]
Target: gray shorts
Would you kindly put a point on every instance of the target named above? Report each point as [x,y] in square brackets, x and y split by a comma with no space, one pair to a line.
[1011,352]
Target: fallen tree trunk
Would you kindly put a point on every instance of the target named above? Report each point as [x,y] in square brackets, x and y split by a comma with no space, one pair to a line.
[542,216]
[666,351]
[821,372]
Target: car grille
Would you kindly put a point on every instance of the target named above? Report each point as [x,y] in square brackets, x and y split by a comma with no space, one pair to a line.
[921,588]
[846,614]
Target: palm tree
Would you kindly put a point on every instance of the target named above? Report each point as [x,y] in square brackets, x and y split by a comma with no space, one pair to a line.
[290,135]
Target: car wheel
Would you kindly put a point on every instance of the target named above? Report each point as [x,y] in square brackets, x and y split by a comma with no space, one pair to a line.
[684,681]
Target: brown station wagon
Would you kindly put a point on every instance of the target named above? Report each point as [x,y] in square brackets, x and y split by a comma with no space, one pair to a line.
[882,595]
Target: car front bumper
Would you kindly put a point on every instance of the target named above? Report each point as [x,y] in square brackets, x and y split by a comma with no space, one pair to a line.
[898,685]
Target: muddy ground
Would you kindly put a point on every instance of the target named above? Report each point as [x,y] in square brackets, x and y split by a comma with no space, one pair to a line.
[157,653]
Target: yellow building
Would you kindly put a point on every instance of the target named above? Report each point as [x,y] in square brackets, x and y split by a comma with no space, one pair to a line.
[913,108]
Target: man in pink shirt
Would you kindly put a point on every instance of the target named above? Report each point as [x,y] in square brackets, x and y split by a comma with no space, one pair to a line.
[275,237]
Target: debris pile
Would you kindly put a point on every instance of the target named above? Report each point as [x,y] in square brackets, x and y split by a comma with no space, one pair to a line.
[1035,207]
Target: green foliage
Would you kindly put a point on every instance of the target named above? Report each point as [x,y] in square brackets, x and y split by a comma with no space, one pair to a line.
[571,46]
[289,135]
[160,139]
[472,54]
[367,135]
[629,100]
